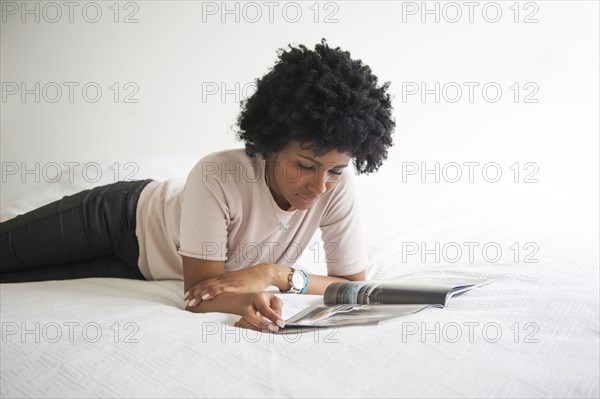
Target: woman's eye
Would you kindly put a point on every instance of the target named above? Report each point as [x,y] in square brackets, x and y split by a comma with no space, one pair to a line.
[312,167]
[304,167]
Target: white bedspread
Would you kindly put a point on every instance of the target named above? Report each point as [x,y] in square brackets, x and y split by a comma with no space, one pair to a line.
[532,333]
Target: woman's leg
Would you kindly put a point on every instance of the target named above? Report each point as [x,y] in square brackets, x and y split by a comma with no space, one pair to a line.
[88,234]
[105,266]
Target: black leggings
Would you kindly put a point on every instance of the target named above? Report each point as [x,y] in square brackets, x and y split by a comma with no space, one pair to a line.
[88,234]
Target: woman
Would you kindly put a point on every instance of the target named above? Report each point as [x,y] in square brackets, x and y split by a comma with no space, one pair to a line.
[242,218]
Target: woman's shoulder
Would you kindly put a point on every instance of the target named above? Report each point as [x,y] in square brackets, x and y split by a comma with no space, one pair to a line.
[231,165]
[227,155]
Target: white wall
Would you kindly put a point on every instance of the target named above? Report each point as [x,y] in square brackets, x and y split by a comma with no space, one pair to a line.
[177,47]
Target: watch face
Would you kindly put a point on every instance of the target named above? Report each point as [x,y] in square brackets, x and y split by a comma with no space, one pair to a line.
[298,280]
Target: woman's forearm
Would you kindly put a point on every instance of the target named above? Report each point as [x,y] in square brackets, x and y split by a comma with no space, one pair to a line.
[224,303]
[316,283]
[273,274]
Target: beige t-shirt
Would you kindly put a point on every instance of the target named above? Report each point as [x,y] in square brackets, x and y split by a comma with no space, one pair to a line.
[224,211]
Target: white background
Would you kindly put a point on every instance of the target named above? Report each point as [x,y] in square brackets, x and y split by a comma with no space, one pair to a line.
[176,49]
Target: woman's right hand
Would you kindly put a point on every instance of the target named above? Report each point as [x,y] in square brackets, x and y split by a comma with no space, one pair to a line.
[262,312]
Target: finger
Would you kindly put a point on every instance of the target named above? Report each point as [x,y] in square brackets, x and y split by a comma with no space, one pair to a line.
[270,314]
[212,288]
[276,304]
[253,317]
[195,300]
[265,324]
[205,290]
[192,296]
[197,292]
[243,323]
[259,321]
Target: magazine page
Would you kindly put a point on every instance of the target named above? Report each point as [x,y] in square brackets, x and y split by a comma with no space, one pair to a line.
[323,316]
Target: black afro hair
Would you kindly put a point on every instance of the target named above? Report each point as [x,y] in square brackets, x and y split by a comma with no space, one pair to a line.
[322,98]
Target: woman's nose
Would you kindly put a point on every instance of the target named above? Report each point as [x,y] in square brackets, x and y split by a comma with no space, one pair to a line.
[318,183]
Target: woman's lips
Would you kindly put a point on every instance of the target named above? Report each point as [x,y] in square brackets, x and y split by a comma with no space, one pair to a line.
[306,200]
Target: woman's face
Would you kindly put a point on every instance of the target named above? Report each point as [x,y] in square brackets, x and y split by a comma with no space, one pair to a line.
[298,178]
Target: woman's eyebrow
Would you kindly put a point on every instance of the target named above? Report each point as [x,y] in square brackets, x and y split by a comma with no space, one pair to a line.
[319,163]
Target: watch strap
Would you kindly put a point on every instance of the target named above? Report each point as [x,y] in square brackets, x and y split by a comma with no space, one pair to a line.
[292,290]
[305,288]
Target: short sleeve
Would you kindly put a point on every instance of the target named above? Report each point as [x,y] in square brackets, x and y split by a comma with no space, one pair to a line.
[204,216]
[342,230]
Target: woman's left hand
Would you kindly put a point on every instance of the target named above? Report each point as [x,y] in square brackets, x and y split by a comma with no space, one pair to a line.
[253,279]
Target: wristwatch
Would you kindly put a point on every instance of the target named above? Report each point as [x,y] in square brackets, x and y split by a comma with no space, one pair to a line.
[298,280]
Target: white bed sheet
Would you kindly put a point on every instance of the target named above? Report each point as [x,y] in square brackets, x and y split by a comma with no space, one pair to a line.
[167,352]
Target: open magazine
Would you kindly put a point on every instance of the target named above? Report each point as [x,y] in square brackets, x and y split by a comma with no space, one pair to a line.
[370,302]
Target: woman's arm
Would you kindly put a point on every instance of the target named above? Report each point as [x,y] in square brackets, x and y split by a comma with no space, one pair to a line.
[316,283]
[224,303]
[254,307]
[259,310]
[197,270]
[206,279]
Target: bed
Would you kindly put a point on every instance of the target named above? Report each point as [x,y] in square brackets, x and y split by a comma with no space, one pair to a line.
[534,332]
